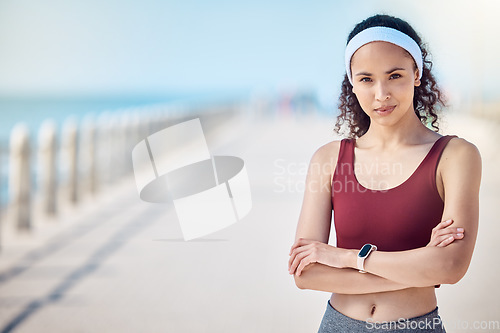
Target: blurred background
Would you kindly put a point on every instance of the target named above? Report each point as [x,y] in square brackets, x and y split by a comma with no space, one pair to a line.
[82,82]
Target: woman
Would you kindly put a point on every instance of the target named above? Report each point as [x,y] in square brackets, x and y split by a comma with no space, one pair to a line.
[403,195]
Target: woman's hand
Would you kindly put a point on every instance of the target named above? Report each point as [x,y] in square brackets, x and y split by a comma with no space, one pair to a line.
[443,235]
[307,251]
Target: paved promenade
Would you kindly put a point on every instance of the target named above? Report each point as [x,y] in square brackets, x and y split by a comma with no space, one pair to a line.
[118,264]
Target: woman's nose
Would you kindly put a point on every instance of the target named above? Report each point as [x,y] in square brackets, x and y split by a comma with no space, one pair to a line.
[381,92]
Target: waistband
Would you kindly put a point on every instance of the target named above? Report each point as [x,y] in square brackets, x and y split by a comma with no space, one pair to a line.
[428,322]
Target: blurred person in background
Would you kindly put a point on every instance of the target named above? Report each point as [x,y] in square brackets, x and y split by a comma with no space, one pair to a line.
[405,199]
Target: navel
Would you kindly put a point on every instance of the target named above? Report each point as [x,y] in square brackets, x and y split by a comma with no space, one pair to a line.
[373,309]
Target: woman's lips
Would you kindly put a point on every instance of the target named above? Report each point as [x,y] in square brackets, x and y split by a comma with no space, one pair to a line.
[385,110]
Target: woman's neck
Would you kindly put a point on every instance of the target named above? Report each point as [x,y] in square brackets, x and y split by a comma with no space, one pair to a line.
[409,130]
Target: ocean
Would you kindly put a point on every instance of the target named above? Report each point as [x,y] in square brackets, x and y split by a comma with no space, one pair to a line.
[33,111]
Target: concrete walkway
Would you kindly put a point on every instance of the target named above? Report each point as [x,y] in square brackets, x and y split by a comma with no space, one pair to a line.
[118,264]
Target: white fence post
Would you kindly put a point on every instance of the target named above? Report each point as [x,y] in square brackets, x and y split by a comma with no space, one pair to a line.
[20,177]
[88,159]
[70,156]
[48,171]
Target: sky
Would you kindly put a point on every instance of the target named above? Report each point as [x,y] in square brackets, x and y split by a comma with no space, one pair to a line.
[155,47]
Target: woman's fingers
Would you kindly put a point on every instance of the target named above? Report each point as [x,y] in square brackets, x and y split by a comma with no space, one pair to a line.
[302,244]
[303,252]
[298,260]
[296,256]
[303,265]
[295,245]
[299,242]
[443,234]
[441,225]
[446,239]
[446,223]
[438,230]
[449,231]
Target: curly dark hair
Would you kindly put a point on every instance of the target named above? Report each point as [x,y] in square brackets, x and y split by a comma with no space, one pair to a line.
[426,99]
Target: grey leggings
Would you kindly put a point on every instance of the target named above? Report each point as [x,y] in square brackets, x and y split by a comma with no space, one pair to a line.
[334,321]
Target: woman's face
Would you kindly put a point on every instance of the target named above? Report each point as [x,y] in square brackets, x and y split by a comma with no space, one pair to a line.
[384,77]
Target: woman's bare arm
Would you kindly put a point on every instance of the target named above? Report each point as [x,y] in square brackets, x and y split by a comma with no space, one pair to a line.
[461,175]
[343,280]
[314,223]
[349,281]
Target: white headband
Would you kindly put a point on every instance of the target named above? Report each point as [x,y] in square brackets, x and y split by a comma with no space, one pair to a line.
[383,34]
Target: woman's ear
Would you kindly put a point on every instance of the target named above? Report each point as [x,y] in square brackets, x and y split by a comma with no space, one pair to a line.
[417,80]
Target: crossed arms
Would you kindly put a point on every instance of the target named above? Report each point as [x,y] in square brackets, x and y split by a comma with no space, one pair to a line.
[445,260]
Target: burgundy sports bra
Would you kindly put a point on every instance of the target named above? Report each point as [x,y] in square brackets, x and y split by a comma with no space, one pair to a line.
[397,219]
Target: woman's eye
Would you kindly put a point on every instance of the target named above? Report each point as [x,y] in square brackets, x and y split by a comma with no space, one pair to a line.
[365,79]
[395,76]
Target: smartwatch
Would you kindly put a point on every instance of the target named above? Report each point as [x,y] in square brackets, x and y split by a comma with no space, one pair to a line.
[363,254]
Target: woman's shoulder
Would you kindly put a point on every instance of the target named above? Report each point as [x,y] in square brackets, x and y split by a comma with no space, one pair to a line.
[459,147]
[460,153]
[327,153]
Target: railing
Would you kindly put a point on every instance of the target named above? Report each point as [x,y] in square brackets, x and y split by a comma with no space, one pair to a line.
[45,171]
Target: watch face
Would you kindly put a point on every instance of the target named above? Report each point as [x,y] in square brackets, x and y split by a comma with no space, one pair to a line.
[364,250]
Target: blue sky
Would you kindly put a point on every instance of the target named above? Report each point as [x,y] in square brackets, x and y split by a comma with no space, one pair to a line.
[152,47]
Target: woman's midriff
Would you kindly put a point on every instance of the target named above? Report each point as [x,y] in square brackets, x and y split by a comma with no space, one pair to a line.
[386,306]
